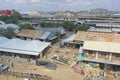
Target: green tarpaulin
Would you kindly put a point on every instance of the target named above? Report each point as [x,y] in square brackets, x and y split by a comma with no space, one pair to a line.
[80,57]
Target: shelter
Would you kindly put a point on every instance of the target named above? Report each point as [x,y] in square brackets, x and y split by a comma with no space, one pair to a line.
[60,29]
[102,52]
[23,48]
[35,34]
[82,36]
[69,42]
[29,34]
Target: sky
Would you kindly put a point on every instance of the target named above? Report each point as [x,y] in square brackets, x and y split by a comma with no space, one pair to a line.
[59,5]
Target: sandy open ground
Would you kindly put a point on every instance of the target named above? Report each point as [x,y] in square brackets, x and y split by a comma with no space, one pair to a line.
[61,73]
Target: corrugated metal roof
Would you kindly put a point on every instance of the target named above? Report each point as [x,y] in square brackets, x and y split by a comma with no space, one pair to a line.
[96,36]
[99,30]
[59,29]
[45,35]
[104,30]
[29,33]
[22,46]
[102,46]
[5,26]
[3,40]
[108,24]
[102,61]
[69,39]
[52,36]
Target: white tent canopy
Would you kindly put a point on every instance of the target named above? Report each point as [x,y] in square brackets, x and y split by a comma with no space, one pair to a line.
[21,46]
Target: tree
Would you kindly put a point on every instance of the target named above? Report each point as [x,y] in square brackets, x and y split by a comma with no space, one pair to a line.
[68,25]
[83,27]
[3,18]
[26,26]
[43,24]
[9,32]
[16,15]
[11,19]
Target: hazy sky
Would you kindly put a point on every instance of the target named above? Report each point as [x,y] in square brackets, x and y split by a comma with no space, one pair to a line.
[60,5]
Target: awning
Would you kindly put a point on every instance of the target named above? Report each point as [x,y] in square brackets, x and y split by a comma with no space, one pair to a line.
[102,61]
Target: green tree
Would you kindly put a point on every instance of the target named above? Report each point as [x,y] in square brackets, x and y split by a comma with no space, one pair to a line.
[2,30]
[43,24]
[83,27]
[9,32]
[26,26]
[11,19]
[3,18]
[68,25]
[16,15]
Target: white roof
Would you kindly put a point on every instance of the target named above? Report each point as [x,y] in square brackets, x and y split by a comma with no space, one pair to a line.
[102,46]
[81,49]
[3,40]
[1,22]
[108,24]
[70,38]
[23,47]
[5,26]
[45,35]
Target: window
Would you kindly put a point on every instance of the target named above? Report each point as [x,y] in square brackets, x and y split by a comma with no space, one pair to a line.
[117,55]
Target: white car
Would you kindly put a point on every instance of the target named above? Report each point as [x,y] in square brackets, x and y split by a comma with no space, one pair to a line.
[3,67]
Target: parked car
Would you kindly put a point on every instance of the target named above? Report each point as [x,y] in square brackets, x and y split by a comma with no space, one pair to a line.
[3,67]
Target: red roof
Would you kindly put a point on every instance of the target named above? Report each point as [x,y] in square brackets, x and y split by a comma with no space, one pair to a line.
[6,12]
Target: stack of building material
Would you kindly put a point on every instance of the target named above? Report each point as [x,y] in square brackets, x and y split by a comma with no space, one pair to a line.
[92,71]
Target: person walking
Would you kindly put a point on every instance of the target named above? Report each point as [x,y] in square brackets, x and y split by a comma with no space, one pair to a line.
[12,64]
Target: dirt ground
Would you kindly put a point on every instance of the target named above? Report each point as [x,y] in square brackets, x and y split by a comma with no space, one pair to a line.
[8,77]
[63,72]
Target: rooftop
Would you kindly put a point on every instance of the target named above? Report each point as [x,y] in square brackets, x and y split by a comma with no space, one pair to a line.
[102,46]
[16,45]
[29,33]
[104,30]
[96,36]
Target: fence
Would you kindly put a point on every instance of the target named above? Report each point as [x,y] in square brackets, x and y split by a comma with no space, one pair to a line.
[27,75]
